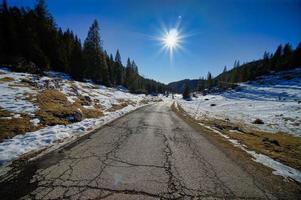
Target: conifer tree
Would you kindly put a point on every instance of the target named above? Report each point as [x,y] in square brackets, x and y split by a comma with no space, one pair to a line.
[186,92]
[93,54]
[118,69]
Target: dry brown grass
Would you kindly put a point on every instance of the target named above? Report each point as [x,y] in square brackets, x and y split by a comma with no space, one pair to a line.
[144,101]
[56,109]
[122,103]
[117,107]
[11,127]
[89,113]
[279,146]
[6,79]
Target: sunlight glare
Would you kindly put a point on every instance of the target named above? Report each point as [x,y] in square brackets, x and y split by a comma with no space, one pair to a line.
[171,39]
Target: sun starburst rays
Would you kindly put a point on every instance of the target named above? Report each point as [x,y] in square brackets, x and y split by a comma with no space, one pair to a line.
[170,40]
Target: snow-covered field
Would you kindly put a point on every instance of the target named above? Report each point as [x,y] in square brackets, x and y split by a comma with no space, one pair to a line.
[14,99]
[275,99]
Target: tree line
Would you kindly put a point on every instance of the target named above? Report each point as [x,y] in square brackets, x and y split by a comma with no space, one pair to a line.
[30,41]
[284,58]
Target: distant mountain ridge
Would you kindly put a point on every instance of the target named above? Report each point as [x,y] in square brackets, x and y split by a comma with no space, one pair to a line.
[178,86]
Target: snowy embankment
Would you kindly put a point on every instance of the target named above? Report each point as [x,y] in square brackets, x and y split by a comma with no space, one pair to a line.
[274,99]
[18,99]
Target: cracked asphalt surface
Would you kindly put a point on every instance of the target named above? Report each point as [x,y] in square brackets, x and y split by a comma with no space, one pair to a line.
[148,154]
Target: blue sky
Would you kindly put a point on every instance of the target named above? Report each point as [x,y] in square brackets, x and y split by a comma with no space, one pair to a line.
[220,31]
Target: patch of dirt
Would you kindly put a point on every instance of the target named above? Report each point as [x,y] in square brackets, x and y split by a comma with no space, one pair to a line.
[6,79]
[117,106]
[56,109]
[9,126]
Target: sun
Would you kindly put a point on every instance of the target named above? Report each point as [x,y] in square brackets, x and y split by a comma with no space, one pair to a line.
[171,39]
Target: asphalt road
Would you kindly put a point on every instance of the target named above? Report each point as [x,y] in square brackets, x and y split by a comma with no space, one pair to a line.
[148,154]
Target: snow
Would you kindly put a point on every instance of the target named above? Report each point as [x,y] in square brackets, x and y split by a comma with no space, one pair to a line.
[35,121]
[13,97]
[274,99]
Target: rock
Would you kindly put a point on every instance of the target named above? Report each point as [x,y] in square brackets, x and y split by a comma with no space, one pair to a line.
[85,100]
[77,116]
[258,121]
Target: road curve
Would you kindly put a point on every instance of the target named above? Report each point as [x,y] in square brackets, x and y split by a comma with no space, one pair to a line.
[148,154]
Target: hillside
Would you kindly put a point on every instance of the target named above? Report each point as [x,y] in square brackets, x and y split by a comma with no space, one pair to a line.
[178,86]
[41,111]
[284,58]
[261,116]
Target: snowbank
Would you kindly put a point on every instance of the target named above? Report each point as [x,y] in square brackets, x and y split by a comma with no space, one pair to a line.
[275,99]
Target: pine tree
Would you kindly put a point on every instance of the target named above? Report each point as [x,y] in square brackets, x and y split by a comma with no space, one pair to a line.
[186,92]
[112,75]
[118,69]
[209,80]
[225,70]
[93,54]
[296,58]
[76,61]
[104,70]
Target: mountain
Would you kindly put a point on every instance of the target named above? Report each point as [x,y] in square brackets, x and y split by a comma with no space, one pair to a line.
[178,86]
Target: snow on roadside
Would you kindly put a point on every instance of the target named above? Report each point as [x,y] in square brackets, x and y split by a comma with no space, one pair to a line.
[13,97]
[17,88]
[275,99]
[11,149]
[278,168]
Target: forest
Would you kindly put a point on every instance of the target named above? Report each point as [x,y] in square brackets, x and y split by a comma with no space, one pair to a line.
[284,58]
[31,41]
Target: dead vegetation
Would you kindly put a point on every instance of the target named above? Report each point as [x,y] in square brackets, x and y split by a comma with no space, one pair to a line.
[122,103]
[56,109]
[279,146]
[10,126]
[6,79]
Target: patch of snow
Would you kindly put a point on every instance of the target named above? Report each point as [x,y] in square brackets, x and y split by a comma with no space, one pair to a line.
[16,116]
[35,121]
[13,97]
